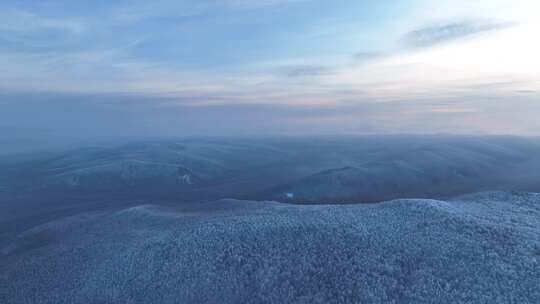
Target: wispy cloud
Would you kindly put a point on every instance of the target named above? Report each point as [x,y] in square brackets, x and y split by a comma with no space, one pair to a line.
[19,21]
[142,10]
[367,56]
[259,3]
[309,70]
[433,35]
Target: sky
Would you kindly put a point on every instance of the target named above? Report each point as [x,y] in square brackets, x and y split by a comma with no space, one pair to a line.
[82,69]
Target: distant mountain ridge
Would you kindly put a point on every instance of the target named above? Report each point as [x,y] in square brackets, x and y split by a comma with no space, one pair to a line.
[307,170]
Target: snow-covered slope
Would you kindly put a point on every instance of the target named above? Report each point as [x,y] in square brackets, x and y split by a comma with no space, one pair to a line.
[320,170]
[379,181]
[482,248]
[434,170]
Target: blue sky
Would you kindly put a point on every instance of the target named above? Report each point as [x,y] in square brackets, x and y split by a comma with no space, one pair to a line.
[299,66]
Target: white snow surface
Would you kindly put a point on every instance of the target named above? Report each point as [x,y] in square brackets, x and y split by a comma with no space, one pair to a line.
[481,248]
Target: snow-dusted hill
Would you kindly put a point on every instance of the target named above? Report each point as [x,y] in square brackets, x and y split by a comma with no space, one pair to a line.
[433,169]
[318,170]
[482,248]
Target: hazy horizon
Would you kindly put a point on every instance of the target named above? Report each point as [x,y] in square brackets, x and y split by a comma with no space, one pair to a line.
[74,69]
